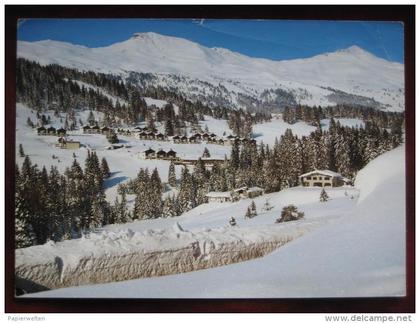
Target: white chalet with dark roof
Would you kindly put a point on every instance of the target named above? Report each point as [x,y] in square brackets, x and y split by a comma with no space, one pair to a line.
[220,197]
[323,178]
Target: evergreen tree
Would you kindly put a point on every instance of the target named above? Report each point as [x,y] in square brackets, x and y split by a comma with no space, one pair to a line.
[169,127]
[99,212]
[155,195]
[171,175]
[91,119]
[206,153]
[29,123]
[105,168]
[21,152]
[251,211]
[141,190]
[23,236]
[290,213]
[324,196]
[170,207]
[187,191]
[248,214]
[267,206]
[112,137]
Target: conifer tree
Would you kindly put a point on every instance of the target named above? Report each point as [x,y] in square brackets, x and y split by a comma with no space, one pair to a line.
[91,118]
[187,191]
[141,191]
[169,127]
[21,152]
[267,206]
[248,214]
[323,196]
[171,175]
[170,207]
[290,213]
[29,123]
[105,168]
[99,212]
[206,153]
[251,211]
[155,194]
[23,236]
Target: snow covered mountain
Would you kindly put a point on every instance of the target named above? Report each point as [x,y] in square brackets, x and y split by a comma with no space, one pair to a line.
[219,76]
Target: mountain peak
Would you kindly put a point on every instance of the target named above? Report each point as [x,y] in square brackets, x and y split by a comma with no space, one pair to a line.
[145,35]
[354,50]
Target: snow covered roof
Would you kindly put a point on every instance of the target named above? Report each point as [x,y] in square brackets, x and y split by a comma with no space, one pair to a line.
[218,194]
[244,188]
[324,172]
[255,189]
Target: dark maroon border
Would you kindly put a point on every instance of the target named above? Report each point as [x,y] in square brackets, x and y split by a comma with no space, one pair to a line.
[406,14]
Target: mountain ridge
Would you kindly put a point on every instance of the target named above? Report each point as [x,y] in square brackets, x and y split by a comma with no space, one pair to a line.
[352,70]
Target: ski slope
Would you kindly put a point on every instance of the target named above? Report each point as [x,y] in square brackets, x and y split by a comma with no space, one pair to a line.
[361,253]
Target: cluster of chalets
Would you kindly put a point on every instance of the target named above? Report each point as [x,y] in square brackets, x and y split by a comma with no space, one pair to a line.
[145,133]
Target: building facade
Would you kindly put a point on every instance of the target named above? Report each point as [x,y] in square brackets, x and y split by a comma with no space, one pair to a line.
[323,178]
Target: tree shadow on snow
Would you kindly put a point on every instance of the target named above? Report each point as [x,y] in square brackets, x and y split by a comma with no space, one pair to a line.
[110,182]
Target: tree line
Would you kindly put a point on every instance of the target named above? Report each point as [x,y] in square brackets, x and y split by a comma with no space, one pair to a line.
[314,115]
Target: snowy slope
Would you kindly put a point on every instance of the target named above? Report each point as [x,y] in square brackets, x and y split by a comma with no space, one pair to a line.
[124,163]
[359,255]
[199,71]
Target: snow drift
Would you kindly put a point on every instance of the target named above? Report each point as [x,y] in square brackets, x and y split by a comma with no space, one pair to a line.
[108,256]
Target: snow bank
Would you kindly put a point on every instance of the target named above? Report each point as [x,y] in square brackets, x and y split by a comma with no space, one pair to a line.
[110,256]
[382,168]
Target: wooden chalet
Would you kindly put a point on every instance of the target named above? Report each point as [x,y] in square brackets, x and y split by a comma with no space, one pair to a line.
[148,154]
[41,131]
[51,131]
[142,135]
[105,130]
[176,139]
[323,178]
[171,154]
[86,129]
[160,136]
[61,132]
[68,144]
[161,154]
[95,129]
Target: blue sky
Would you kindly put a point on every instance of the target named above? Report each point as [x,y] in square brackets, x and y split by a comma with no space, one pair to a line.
[272,39]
